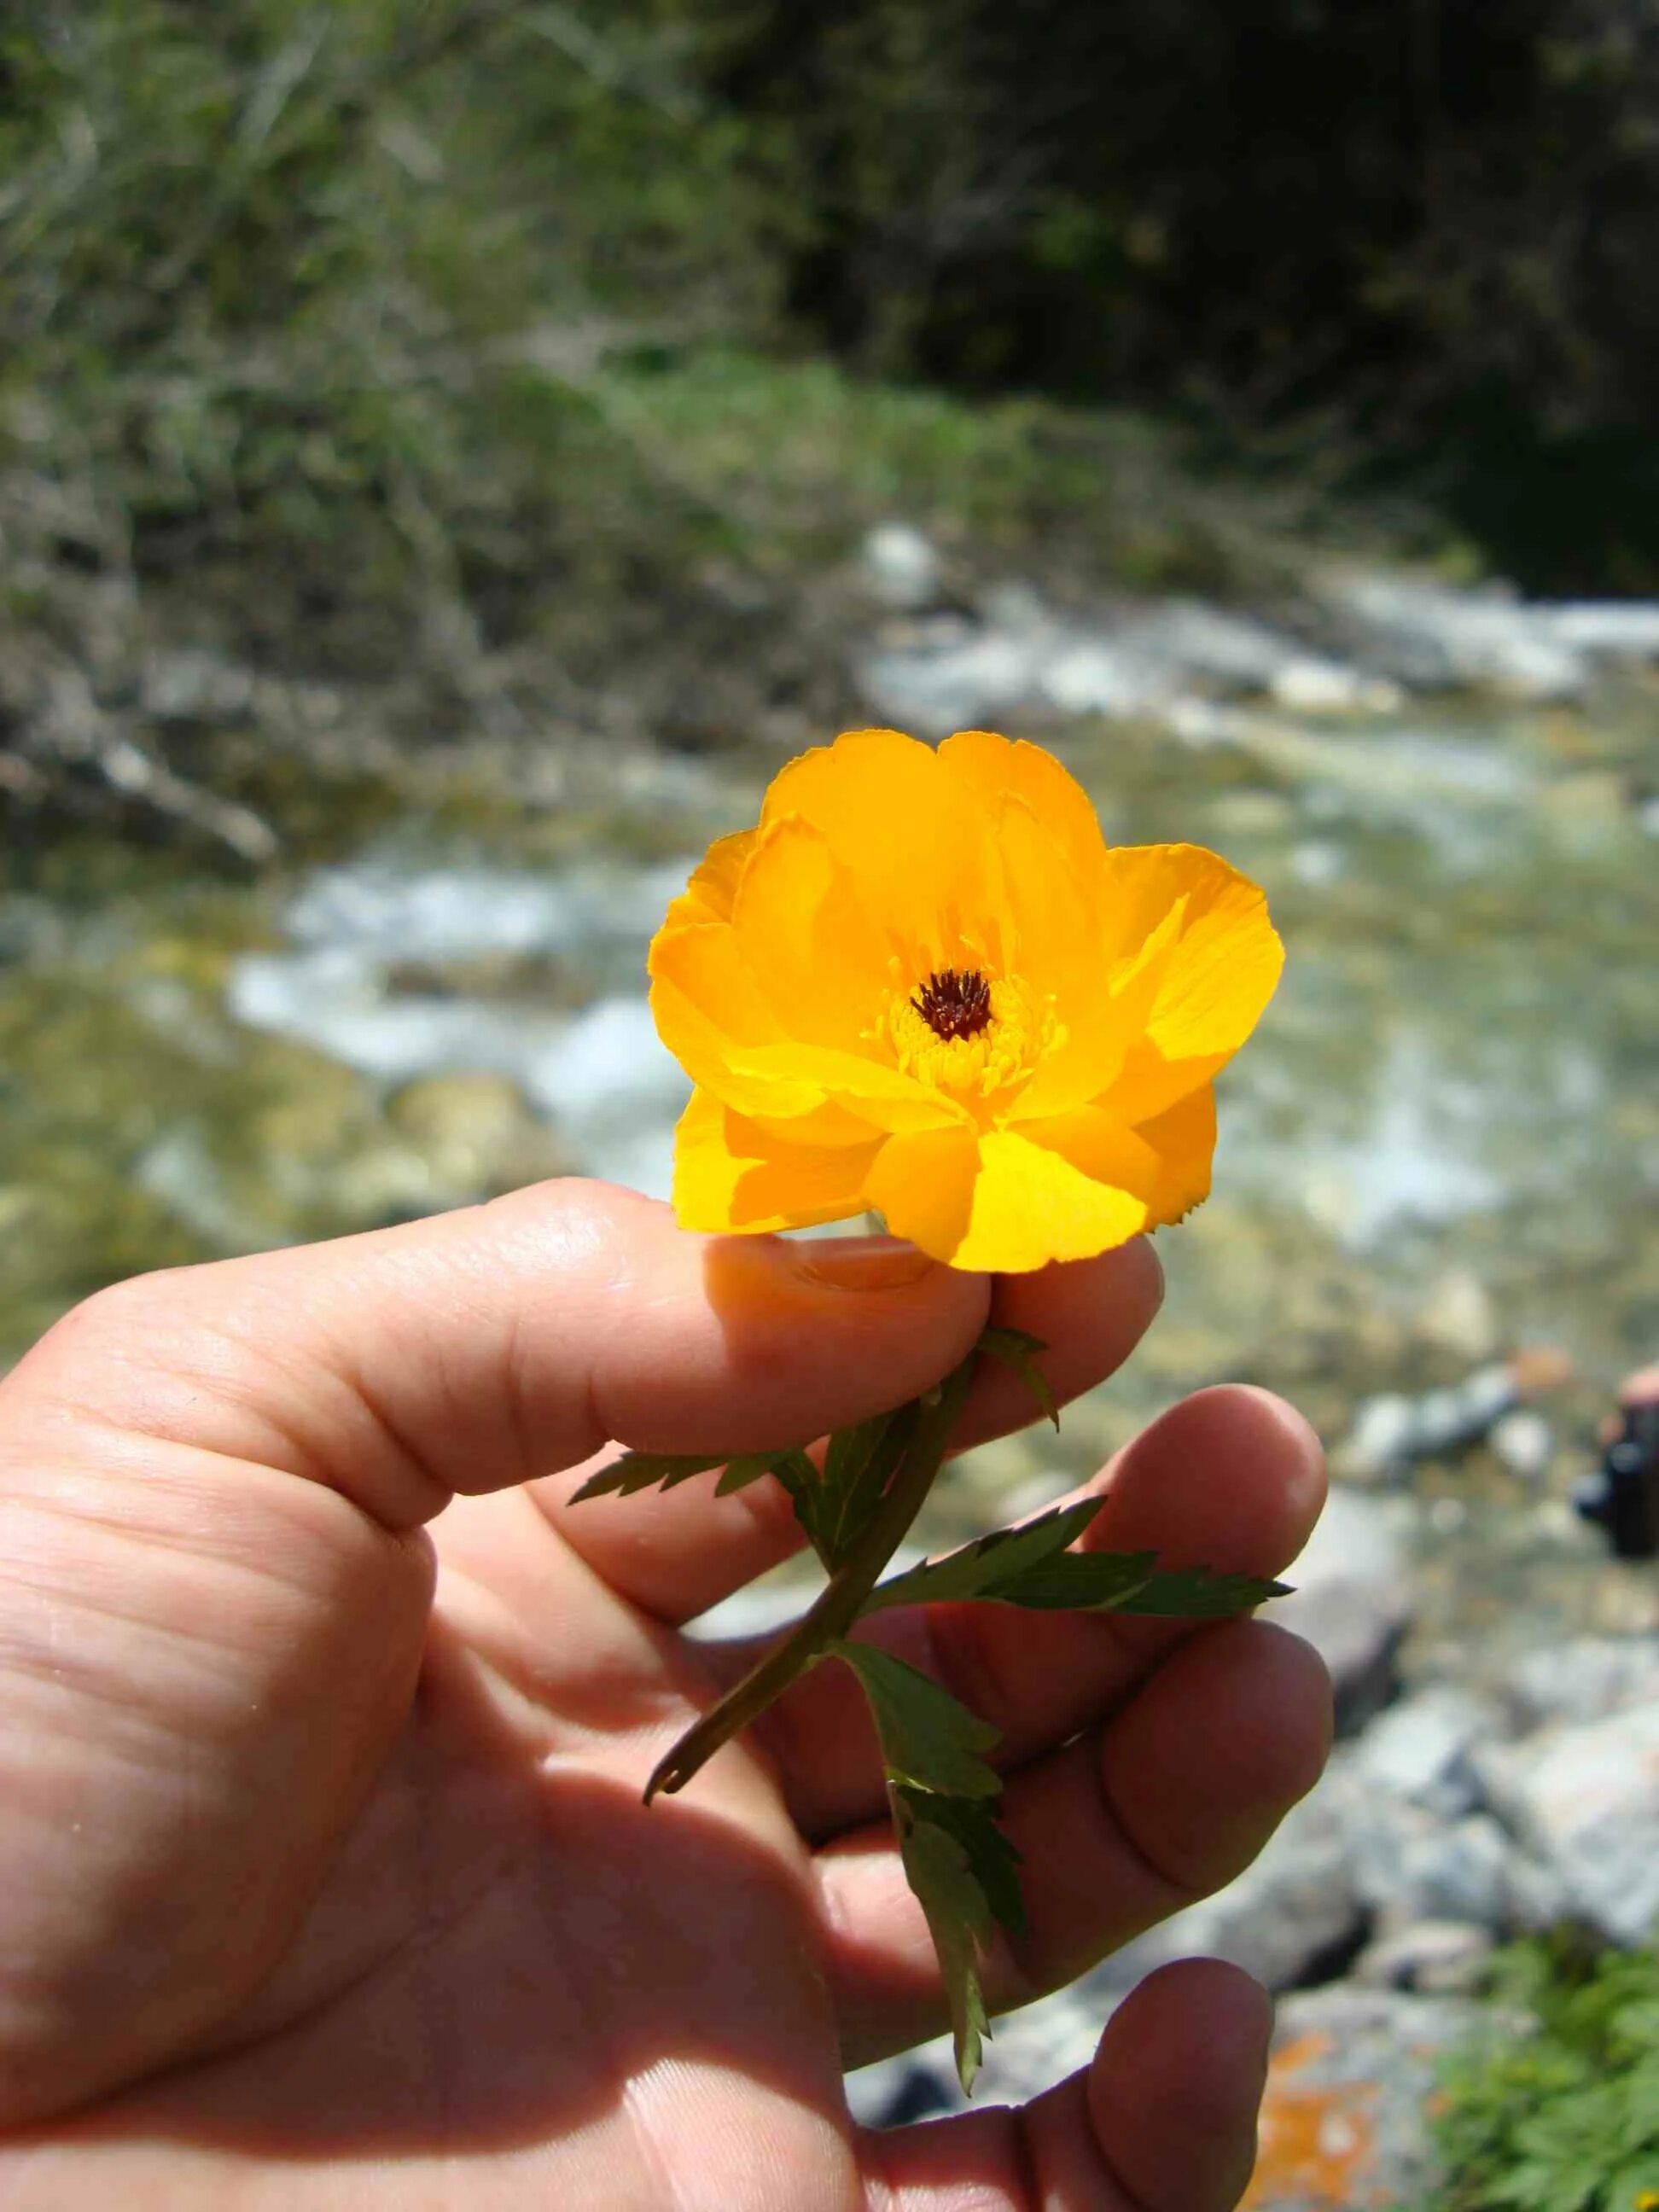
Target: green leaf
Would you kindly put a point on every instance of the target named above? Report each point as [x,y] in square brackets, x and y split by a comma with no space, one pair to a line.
[943,1795]
[1190,1593]
[1018,1351]
[1034,1566]
[858,1467]
[637,1471]
[939,1868]
[993,1860]
[740,1472]
[991,1564]
[928,1741]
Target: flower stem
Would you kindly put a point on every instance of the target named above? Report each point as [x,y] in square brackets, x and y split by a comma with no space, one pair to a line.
[839,1603]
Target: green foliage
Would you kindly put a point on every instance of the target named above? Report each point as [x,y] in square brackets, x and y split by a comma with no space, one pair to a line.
[943,1798]
[1018,1350]
[834,1507]
[636,1471]
[1563,2117]
[1034,1565]
[384,339]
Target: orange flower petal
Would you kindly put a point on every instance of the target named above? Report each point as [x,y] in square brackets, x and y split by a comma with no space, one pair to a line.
[711,892]
[884,1096]
[908,832]
[805,938]
[730,1174]
[1000,1204]
[989,767]
[1227,958]
[1183,1138]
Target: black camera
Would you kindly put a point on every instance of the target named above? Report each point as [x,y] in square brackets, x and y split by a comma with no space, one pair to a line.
[1622,1495]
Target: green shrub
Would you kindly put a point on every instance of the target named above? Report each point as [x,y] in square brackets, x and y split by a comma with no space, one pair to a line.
[1564,2117]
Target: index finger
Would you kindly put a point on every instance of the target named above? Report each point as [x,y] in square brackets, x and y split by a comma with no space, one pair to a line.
[677,1552]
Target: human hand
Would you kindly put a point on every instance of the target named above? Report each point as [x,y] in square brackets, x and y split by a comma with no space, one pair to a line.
[324,1876]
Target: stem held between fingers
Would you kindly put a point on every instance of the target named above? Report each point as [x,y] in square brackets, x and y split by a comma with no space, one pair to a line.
[841,1599]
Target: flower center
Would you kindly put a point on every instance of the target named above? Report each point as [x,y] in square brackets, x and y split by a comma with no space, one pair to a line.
[954,1002]
[969,1035]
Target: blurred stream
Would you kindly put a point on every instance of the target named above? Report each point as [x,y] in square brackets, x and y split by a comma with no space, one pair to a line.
[1444,1143]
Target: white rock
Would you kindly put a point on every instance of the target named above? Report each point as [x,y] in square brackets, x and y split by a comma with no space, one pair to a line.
[1094,675]
[1411,1865]
[1586,1802]
[1525,1442]
[955,685]
[1587,1678]
[903,566]
[1423,1750]
[1351,1600]
[1446,1956]
[1435,637]
[1312,685]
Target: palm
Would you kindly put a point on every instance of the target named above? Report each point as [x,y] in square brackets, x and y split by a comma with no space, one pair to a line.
[326,1890]
[515,1963]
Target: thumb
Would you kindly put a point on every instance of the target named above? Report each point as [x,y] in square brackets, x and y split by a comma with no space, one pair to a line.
[214,1583]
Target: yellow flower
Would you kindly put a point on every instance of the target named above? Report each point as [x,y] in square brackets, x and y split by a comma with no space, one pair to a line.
[924,985]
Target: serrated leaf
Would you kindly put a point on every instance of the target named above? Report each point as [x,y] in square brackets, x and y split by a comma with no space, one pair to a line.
[1018,1349]
[740,1472]
[1034,1566]
[858,1467]
[805,1487]
[928,1741]
[938,1869]
[636,1471]
[990,1564]
[1197,1594]
[993,1860]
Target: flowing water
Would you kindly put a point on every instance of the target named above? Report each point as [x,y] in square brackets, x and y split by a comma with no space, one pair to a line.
[1442,1144]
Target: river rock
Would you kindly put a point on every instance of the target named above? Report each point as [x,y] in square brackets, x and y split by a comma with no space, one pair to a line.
[1423,1750]
[477,1133]
[1343,2122]
[1351,1600]
[1433,638]
[950,673]
[901,567]
[1587,1678]
[1409,1865]
[1585,1801]
[1447,1958]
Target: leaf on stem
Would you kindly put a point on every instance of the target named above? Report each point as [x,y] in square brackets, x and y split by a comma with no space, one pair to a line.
[955,1865]
[636,1471]
[858,1467]
[1034,1566]
[1018,1349]
[944,1796]
[928,1741]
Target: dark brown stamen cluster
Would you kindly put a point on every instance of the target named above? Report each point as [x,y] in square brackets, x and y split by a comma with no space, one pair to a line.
[954,1002]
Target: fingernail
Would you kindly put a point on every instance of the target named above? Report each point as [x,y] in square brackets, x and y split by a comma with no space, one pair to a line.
[863,1263]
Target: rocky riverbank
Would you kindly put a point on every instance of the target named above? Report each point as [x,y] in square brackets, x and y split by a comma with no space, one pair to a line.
[1437,1164]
